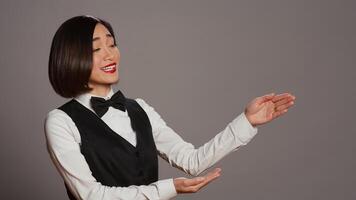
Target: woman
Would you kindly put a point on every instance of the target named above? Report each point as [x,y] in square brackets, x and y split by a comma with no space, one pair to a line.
[105,145]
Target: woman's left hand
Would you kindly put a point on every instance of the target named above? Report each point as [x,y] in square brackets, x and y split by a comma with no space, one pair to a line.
[268,107]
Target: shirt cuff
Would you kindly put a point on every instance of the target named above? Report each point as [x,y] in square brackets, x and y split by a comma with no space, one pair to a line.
[243,129]
[166,189]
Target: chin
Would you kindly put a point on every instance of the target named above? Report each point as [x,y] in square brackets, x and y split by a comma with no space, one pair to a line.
[114,81]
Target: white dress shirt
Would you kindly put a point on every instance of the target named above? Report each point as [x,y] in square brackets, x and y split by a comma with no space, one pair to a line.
[63,139]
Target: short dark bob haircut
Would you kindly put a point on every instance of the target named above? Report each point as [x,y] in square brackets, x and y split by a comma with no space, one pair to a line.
[71,57]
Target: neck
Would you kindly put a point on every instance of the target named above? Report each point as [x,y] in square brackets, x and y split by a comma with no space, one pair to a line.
[102,90]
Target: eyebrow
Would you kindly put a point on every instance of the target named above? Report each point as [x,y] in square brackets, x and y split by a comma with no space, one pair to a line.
[97,38]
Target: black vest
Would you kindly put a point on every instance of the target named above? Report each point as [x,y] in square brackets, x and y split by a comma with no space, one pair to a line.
[112,160]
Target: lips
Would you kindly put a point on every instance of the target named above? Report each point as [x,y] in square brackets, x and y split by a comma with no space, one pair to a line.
[110,68]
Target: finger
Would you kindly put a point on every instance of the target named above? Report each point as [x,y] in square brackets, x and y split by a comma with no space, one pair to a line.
[281,96]
[283,101]
[193,181]
[216,170]
[284,106]
[208,179]
[264,98]
[279,113]
[198,180]
[212,175]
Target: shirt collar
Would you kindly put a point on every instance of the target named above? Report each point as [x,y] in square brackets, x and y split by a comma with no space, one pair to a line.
[84,99]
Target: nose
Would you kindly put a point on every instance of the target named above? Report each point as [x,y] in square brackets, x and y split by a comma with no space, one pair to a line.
[108,54]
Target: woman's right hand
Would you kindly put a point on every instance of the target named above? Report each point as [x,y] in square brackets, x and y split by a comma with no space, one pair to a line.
[192,185]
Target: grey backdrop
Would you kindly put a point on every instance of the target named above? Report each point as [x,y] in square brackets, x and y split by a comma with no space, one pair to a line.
[198,63]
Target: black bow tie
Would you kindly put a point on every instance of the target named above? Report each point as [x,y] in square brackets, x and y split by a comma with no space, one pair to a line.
[101,106]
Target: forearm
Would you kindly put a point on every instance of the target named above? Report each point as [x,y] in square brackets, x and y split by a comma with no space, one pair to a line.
[192,160]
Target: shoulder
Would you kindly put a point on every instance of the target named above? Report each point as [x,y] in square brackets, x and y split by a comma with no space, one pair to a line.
[140,101]
[58,123]
[56,116]
[153,115]
[144,104]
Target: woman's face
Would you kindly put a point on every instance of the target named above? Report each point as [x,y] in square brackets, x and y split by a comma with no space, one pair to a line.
[106,59]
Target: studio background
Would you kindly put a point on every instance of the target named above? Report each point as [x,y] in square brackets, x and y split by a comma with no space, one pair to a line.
[198,63]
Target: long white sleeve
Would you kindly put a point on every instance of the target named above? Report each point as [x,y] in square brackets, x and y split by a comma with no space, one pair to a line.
[61,134]
[184,155]
[63,139]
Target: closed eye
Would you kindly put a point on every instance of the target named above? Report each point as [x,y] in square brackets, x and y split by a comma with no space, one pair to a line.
[98,49]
